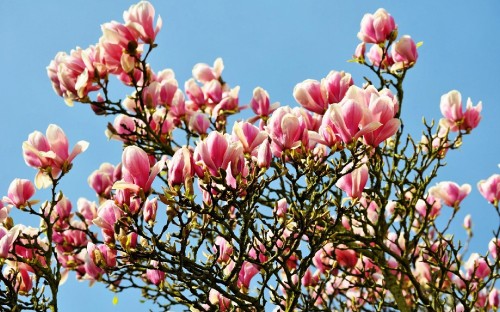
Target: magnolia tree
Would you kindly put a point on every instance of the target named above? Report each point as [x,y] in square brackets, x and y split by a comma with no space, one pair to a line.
[328,205]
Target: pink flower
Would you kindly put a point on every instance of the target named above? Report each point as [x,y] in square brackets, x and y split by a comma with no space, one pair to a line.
[260,103]
[213,90]
[198,122]
[375,57]
[162,122]
[430,207]
[74,76]
[323,260]
[249,135]
[102,180]
[377,27]
[423,271]
[381,110]
[223,249]
[468,222]
[181,167]
[215,298]
[336,85]
[455,118]
[23,282]
[228,104]
[345,121]
[61,211]
[494,247]
[346,257]
[87,209]
[50,153]
[405,51]
[194,92]
[450,193]
[4,212]
[216,152]
[124,128]
[281,208]
[494,298]
[99,258]
[359,53]
[136,170]
[107,215]
[150,208]
[153,275]
[312,95]
[102,255]
[7,238]
[19,193]
[477,267]
[285,130]
[353,183]
[139,18]
[247,272]
[490,189]
[118,46]
[204,73]
[264,155]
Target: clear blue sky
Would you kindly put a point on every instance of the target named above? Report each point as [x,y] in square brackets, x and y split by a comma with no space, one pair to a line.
[273,44]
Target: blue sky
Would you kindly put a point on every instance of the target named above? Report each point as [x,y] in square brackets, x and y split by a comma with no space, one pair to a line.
[271,44]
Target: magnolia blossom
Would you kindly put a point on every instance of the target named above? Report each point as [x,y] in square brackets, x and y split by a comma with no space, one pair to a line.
[100,258]
[490,188]
[136,170]
[247,272]
[223,304]
[353,183]
[7,238]
[312,95]
[4,211]
[405,51]
[430,207]
[264,155]
[150,209]
[19,193]
[377,27]
[50,154]
[250,136]
[118,47]
[87,209]
[260,103]
[285,129]
[181,167]
[359,52]
[454,117]
[217,152]
[139,18]
[75,75]
[375,55]
[477,267]
[336,85]
[198,122]
[494,247]
[107,215]
[153,275]
[204,73]
[19,275]
[450,193]
[102,180]
[223,249]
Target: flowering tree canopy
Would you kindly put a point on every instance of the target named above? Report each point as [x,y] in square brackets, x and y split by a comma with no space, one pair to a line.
[324,205]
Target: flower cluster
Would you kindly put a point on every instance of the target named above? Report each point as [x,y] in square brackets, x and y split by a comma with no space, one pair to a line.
[323,206]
